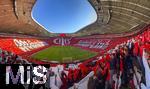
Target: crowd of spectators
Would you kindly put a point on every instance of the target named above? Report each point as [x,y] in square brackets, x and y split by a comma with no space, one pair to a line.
[127,66]
[7,57]
[27,45]
[94,43]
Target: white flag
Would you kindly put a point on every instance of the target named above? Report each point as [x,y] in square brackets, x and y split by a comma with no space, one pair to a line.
[147,70]
[83,84]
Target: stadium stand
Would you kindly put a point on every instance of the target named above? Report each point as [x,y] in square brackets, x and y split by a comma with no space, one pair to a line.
[29,44]
[124,66]
[21,45]
[120,35]
[7,57]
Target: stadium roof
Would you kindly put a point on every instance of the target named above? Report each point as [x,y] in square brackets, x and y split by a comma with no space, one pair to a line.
[114,16]
[118,16]
[15,17]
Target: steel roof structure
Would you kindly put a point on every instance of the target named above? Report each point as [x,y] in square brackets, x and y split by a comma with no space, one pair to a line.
[113,16]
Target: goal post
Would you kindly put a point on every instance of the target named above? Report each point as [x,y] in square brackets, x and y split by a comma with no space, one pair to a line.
[67,59]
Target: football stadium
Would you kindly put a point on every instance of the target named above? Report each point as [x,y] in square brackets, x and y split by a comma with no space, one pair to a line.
[74,44]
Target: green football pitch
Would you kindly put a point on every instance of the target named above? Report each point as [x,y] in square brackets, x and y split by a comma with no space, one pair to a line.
[63,54]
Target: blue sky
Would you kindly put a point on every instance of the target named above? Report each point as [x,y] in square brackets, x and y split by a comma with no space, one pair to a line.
[63,16]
